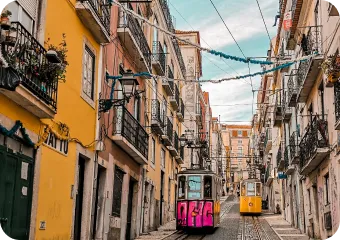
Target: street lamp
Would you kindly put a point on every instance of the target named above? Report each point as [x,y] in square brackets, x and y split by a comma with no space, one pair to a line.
[129,84]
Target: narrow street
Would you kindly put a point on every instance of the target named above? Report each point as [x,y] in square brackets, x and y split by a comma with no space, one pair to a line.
[237,227]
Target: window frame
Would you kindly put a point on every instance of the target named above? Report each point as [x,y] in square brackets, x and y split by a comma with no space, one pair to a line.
[326,191]
[195,191]
[153,151]
[116,192]
[181,194]
[239,133]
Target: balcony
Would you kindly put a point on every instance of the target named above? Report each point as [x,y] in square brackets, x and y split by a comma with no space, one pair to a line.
[157,117]
[286,110]
[133,38]
[180,157]
[308,70]
[180,112]
[292,88]
[261,143]
[289,169]
[130,135]
[284,55]
[27,60]
[174,100]
[168,83]
[268,140]
[268,176]
[95,15]
[294,149]
[158,58]
[279,159]
[168,133]
[175,145]
[314,145]
[337,104]
[278,116]
[296,10]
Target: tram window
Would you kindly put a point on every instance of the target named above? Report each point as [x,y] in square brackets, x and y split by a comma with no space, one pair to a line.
[207,186]
[250,189]
[243,189]
[194,190]
[258,189]
[181,187]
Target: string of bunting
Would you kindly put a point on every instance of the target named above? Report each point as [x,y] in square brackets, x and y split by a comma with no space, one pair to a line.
[10,133]
[211,51]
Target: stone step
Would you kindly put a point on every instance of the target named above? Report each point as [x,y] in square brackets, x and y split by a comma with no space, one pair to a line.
[294,237]
[281,226]
[289,231]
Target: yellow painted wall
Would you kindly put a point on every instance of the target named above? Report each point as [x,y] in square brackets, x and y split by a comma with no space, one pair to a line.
[57,171]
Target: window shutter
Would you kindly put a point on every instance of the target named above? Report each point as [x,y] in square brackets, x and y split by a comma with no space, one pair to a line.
[30,7]
[234,133]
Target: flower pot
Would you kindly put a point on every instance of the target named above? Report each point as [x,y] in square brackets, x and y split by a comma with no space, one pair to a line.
[5,23]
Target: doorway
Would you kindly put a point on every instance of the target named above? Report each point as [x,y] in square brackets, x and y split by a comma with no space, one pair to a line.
[79,199]
[99,202]
[16,188]
[162,199]
[130,208]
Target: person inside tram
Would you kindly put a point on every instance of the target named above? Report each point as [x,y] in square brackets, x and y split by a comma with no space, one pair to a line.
[207,187]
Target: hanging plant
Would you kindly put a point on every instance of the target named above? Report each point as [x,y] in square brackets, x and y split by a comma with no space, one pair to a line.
[4,20]
[331,68]
[52,71]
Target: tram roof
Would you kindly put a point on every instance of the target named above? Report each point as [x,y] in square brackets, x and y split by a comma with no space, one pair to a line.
[197,171]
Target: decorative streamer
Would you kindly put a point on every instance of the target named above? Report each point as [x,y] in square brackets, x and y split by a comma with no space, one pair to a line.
[18,125]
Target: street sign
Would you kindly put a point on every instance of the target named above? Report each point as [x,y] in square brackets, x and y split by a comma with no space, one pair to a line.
[287,21]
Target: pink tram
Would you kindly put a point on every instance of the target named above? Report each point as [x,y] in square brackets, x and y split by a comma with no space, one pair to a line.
[198,203]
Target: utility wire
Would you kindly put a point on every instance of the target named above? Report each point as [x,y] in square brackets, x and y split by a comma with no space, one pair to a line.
[228,29]
[265,25]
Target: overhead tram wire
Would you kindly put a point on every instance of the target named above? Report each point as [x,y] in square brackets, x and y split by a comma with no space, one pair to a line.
[265,25]
[208,46]
[228,29]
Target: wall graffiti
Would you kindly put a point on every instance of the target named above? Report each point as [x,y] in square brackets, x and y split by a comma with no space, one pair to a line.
[195,213]
[335,199]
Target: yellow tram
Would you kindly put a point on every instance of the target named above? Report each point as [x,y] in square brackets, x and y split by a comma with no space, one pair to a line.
[251,197]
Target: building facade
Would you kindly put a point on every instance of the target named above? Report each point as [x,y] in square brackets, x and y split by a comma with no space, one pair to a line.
[305,167]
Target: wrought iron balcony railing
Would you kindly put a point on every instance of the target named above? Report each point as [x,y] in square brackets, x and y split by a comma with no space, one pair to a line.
[279,158]
[127,21]
[157,116]
[337,103]
[268,140]
[176,141]
[294,148]
[170,73]
[286,110]
[127,126]
[179,57]
[102,10]
[174,100]
[292,88]
[158,55]
[27,56]
[168,132]
[313,43]
[286,157]
[180,113]
[315,138]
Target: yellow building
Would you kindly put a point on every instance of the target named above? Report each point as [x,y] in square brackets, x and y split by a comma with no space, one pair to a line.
[53,181]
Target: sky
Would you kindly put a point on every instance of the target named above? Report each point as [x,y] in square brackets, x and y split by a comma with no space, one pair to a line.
[244,20]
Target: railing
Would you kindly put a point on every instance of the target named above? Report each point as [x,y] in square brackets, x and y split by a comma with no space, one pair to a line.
[268,136]
[158,54]
[267,174]
[169,128]
[337,100]
[181,152]
[170,73]
[316,136]
[292,84]
[302,72]
[27,56]
[176,94]
[286,157]
[128,127]
[182,108]
[176,141]
[127,21]
[285,108]
[293,140]
[179,57]
[313,45]
[157,114]
[279,156]
[102,10]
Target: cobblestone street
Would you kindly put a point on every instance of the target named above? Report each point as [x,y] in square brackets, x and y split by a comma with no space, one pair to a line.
[234,227]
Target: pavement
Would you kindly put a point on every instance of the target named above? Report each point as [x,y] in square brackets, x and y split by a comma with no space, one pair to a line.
[275,226]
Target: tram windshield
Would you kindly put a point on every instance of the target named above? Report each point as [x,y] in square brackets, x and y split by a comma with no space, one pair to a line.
[194,190]
[250,189]
[181,187]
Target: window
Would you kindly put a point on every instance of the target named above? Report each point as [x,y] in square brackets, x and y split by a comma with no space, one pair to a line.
[243,189]
[239,142]
[326,189]
[239,151]
[207,186]
[20,15]
[181,187]
[88,73]
[194,191]
[239,133]
[117,192]
[165,48]
[137,108]
[153,150]
[258,189]
[250,189]
[162,158]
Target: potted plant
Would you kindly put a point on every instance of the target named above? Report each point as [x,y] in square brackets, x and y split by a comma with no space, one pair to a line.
[55,68]
[4,20]
[331,68]
[11,37]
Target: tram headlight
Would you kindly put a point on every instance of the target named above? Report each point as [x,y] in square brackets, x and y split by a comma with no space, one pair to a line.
[250,204]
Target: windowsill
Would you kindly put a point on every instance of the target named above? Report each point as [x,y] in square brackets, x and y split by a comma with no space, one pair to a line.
[153,166]
[88,100]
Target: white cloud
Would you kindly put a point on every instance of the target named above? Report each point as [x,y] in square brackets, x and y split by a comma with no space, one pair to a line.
[243,23]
